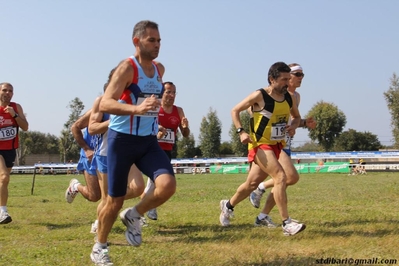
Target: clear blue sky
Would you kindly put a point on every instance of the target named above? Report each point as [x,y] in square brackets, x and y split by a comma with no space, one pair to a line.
[217,52]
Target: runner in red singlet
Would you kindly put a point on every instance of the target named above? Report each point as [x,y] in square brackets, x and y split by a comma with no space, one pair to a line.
[11,119]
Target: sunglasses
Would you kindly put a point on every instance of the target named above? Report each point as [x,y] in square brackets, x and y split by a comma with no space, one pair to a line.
[170,92]
[298,74]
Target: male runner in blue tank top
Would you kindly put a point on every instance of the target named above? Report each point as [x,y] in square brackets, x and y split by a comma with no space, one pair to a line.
[133,100]
[98,126]
[86,141]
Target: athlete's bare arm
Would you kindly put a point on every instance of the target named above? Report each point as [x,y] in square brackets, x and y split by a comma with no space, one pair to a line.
[76,129]
[184,129]
[121,79]
[255,99]
[96,125]
[22,122]
[296,118]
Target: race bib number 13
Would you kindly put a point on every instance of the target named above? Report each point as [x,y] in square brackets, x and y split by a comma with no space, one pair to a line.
[278,131]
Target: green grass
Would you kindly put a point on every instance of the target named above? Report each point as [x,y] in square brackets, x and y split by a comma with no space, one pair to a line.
[346,216]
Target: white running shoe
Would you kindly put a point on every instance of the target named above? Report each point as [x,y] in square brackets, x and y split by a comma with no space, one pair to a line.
[71,193]
[293,227]
[5,218]
[152,214]
[133,227]
[143,222]
[100,257]
[267,221]
[256,196]
[94,227]
[226,214]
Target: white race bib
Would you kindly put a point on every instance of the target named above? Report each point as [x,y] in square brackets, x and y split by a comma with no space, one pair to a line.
[169,137]
[278,131]
[288,141]
[150,113]
[8,133]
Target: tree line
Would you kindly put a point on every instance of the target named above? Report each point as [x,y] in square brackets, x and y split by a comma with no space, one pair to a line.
[327,136]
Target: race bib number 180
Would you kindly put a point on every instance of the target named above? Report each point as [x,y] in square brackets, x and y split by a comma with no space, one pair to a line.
[8,133]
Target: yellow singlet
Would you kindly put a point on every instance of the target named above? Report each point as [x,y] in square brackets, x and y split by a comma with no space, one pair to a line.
[268,126]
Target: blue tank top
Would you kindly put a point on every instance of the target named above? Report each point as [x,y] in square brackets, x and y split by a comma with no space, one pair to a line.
[89,139]
[141,87]
[101,140]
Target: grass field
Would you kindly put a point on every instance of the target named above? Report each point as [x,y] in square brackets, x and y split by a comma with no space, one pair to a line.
[347,217]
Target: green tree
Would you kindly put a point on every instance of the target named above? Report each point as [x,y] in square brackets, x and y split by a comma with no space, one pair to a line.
[307,147]
[225,148]
[185,146]
[40,143]
[23,148]
[210,135]
[52,144]
[351,140]
[330,123]
[35,142]
[238,148]
[392,99]
[69,149]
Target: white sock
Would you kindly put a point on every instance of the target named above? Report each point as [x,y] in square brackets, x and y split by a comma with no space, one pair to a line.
[3,208]
[75,186]
[287,221]
[100,245]
[261,216]
[135,213]
[262,186]
[96,222]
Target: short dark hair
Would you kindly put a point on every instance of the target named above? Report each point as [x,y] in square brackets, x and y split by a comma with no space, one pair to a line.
[276,69]
[140,27]
[109,78]
[169,83]
[6,83]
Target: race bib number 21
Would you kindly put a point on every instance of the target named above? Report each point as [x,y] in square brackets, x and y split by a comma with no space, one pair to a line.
[151,113]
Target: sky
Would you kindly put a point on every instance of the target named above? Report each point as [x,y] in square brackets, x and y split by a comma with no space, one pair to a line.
[216,52]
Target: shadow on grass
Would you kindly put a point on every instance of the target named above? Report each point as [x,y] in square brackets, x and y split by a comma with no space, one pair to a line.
[339,228]
[205,233]
[349,233]
[52,226]
[337,224]
[277,262]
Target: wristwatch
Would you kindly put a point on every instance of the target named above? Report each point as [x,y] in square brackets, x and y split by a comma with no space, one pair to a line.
[239,130]
[15,116]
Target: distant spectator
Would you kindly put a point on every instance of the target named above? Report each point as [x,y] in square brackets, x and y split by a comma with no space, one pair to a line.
[70,169]
[40,168]
[320,165]
[362,167]
[52,171]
